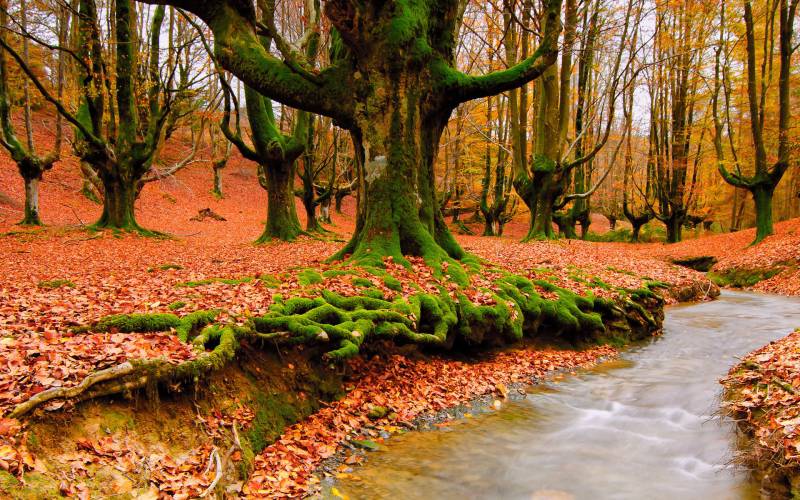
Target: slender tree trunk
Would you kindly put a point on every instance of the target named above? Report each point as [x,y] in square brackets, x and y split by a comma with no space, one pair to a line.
[216,190]
[31,217]
[325,211]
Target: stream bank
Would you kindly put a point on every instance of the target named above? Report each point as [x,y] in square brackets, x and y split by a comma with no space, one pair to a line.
[762,394]
[651,414]
[166,438]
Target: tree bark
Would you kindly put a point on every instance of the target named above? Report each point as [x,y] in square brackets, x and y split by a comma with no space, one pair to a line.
[762,196]
[674,224]
[31,217]
[119,197]
[282,221]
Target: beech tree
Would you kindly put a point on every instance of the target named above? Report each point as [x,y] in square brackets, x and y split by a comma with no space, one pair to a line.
[123,107]
[394,89]
[542,185]
[766,173]
[31,165]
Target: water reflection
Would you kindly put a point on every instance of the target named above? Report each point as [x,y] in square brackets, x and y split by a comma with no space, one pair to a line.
[641,427]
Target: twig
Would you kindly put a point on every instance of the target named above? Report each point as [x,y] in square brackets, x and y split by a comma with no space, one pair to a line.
[74,213]
[215,457]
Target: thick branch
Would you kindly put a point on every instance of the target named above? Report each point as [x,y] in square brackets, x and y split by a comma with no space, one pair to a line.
[239,50]
[467,87]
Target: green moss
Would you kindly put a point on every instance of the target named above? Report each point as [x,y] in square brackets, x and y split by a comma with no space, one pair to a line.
[362,282]
[742,278]
[210,281]
[114,421]
[193,322]
[127,323]
[167,267]
[309,277]
[333,273]
[37,487]
[178,304]
[390,281]
[53,284]
[273,413]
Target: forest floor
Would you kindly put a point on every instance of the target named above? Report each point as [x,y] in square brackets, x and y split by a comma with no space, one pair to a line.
[63,276]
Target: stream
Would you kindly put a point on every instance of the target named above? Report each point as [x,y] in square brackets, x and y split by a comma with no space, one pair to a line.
[645,426]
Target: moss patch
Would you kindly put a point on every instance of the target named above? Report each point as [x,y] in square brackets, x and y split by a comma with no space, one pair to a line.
[742,278]
[53,284]
[178,304]
[211,281]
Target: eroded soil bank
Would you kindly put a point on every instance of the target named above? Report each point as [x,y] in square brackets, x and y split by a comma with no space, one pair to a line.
[229,431]
[762,395]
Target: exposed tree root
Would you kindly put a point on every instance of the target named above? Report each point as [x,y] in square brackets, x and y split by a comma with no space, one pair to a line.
[132,375]
[487,307]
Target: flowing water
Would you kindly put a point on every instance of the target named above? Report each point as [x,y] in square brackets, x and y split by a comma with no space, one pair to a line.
[642,427]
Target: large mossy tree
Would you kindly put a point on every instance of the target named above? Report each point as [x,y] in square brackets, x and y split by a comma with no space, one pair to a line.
[394,89]
[767,172]
[275,153]
[124,106]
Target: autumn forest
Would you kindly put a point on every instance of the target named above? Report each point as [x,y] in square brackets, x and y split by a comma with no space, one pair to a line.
[349,249]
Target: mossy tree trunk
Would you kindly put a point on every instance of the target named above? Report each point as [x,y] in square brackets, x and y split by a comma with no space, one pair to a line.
[30,165]
[636,230]
[275,154]
[394,86]
[543,186]
[766,176]
[31,217]
[118,202]
[282,222]
[762,196]
[674,224]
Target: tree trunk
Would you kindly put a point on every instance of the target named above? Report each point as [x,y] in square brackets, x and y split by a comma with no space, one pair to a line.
[400,141]
[762,196]
[282,221]
[489,224]
[31,217]
[325,210]
[637,228]
[216,190]
[566,224]
[119,196]
[540,199]
[674,226]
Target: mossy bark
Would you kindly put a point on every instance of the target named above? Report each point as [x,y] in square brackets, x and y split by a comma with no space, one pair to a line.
[119,197]
[282,221]
[636,229]
[31,217]
[540,198]
[674,224]
[762,196]
[400,130]
[216,188]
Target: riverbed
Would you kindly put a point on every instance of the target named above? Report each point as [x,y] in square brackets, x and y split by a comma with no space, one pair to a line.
[645,426]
